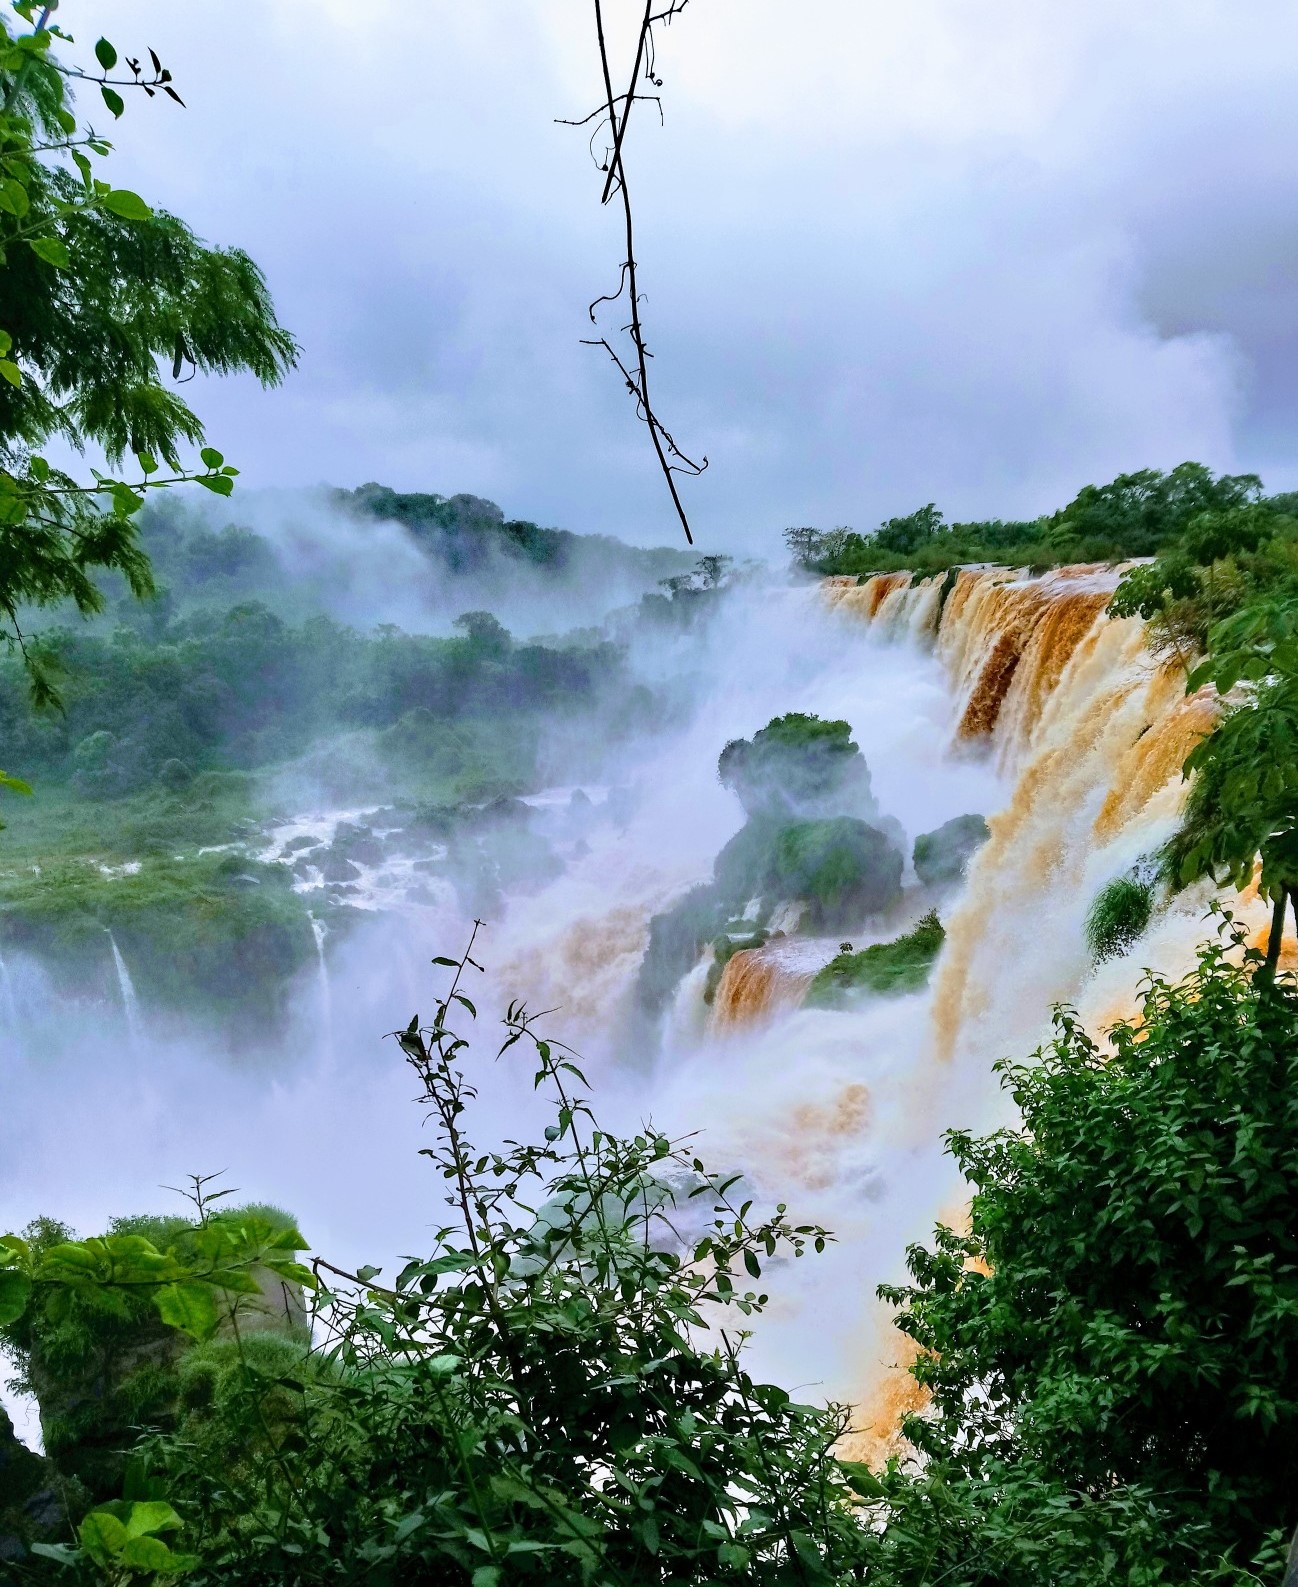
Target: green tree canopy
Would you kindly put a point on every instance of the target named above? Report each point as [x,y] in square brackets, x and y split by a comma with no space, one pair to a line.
[105,305]
[1112,1350]
[797,763]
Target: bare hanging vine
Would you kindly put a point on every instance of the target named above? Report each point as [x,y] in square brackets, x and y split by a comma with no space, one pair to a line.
[607,144]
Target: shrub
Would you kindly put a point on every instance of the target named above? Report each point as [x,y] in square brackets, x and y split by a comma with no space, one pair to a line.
[1118,916]
[843,869]
[1112,1350]
[797,765]
[942,856]
[902,965]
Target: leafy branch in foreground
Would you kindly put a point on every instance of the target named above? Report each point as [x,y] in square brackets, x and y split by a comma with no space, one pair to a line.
[1111,1351]
[551,1396]
[610,123]
[97,290]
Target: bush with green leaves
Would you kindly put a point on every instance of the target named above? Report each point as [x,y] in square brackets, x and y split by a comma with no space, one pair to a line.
[100,294]
[103,1357]
[884,968]
[798,765]
[1118,916]
[942,856]
[1112,1350]
[553,1395]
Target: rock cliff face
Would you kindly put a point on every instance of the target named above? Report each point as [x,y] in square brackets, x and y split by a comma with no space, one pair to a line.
[31,1510]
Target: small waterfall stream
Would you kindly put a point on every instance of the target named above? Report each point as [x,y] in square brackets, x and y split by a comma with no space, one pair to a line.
[130,1003]
[319,932]
[8,1001]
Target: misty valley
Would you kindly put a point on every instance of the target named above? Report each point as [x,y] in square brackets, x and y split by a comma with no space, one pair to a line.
[690,1049]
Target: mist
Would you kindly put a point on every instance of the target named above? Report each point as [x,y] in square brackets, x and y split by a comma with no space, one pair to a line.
[316,1115]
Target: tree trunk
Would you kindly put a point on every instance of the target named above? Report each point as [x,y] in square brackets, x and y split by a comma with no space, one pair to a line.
[1277,932]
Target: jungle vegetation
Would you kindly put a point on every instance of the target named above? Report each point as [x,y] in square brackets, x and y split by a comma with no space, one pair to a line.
[553,1393]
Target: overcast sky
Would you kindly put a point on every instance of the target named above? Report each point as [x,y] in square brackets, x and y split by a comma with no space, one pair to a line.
[971,251]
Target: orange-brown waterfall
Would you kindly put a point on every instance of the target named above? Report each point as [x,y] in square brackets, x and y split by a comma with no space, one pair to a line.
[1094,730]
[754,984]
[1091,731]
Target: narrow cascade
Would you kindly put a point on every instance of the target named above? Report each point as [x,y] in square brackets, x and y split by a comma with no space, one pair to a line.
[756,984]
[8,1000]
[319,932]
[130,1003]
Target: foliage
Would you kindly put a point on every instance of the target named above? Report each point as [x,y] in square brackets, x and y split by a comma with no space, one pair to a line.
[537,1400]
[843,868]
[97,1326]
[242,688]
[942,856]
[98,287]
[797,765]
[465,533]
[1135,515]
[1118,916]
[1112,1350]
[902,965]
[1242,808]
[1223,562]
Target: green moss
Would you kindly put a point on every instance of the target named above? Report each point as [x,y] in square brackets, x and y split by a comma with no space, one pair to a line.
[842,868]
[942,856]
[1118,916]
[885,968]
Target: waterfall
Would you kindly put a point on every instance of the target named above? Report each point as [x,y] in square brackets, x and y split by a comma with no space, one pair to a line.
[319,932]
[130,1003]
[758,982]
[1093,729]
[8,1001]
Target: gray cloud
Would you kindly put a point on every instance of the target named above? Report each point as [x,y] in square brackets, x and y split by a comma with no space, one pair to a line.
[971,254]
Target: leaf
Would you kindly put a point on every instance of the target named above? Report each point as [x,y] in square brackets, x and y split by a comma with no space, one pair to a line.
[59,1552]
[120,201]
[103,1537]
[6,342]
[211,457]
[218,484]
[15,1292]
[11,372]
[51,250]
[112,99]
[152,1554]
[190,1307]
[154,1515]
[105,54]
[486,1576]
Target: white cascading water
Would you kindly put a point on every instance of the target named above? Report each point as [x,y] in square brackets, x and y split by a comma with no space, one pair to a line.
[319,931]
[1025,704]
[130,1003]
[8,1000]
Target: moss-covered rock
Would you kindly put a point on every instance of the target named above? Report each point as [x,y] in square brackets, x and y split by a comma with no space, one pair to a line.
[842,868]
[798,765]
[902,965]
[942,856]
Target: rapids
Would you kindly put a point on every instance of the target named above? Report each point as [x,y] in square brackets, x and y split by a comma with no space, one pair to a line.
[1012,697]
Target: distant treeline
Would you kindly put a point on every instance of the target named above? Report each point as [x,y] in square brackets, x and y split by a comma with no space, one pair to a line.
[242,688]
[1135,515]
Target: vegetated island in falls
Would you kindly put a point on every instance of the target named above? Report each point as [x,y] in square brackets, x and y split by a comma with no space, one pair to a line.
[1042,1492]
